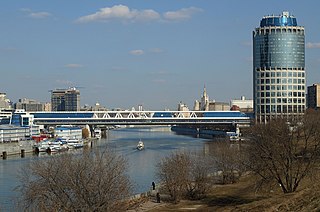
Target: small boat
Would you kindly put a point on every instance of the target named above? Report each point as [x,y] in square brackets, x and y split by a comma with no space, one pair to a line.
[97,133]
[140,145]
[75,143]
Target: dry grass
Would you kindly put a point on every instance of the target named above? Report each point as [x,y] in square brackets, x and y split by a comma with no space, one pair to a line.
[243,196]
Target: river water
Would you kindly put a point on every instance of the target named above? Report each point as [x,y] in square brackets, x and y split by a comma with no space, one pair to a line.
[159,142]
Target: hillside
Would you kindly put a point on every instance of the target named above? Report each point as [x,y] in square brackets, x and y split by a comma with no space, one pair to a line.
[243,196]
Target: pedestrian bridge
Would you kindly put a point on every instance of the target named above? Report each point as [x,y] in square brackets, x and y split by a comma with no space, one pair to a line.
[141,118]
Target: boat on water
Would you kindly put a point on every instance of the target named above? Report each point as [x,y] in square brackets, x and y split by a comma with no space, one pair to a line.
[97,133]
[73,143]
[51,145]
[140,145]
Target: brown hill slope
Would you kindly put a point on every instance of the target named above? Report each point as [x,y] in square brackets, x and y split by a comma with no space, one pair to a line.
[243,196]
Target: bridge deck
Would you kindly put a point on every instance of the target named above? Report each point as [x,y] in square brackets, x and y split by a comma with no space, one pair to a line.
[141,117]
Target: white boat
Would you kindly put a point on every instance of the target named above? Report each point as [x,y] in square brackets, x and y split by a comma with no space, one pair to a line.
[74,143]
[233,136]
[51,145]
[140,145]
[97,133]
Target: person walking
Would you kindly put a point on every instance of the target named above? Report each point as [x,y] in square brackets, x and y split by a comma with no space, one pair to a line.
[153,186]
[158,197]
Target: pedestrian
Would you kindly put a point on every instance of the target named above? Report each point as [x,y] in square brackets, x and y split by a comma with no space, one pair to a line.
[153,186]
[158,197]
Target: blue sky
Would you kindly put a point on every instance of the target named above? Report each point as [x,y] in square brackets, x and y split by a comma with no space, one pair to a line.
[150,52]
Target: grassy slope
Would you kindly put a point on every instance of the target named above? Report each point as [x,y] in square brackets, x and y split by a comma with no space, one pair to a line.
[242,196]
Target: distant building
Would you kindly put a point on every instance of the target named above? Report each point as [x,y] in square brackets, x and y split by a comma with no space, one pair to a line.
[242,104]
[5,103]
[196,105]
[218,106]
[313,97]
[96,107]
[47,106]
[68,132]
[13,133]
[209,105]
[65,100]
[19,127]
[184,107]
[29,105]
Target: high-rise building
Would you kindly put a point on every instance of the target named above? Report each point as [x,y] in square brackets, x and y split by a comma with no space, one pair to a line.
[65,100]
[313,97]
[29,105]
[278,68]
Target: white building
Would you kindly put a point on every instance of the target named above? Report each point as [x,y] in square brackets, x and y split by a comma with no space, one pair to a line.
[12,133]
[5,103]
[68,132]
[243,104]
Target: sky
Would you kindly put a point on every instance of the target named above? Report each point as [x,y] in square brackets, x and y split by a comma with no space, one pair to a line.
[143,52]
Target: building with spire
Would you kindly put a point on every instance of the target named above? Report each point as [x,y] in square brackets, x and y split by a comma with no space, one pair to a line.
[206,104]
[278,68]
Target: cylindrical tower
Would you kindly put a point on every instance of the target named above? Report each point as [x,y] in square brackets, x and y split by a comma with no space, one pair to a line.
[278,68]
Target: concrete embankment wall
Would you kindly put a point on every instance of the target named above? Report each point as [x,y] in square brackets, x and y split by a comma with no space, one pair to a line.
[14,148]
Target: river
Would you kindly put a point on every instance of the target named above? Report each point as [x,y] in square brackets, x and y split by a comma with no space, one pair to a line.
[159,142]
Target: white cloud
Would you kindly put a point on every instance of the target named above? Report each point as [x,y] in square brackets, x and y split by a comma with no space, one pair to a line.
[38,15]
[120,12]
[182,14]
[73,65]
[124,13]
[137,52]
[310,45]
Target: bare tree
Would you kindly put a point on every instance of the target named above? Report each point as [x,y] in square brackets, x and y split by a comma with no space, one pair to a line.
[285,152]
[200,181]
[92,181]
[227,161]
[184,175]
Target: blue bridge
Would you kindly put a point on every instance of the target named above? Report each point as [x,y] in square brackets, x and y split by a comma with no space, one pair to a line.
[141,118]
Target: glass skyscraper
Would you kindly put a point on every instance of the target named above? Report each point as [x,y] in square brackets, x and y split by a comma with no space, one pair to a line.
[278,68]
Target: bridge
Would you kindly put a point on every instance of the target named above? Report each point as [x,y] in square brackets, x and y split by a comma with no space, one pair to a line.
[141,118]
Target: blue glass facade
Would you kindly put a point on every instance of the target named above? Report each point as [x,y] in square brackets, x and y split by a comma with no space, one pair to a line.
[278,67]
[279,48]
[282,20]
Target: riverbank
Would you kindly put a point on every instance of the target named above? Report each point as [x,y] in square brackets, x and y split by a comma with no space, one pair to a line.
[27,147]
[16,148]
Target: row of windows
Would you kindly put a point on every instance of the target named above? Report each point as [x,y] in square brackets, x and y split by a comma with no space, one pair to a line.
[280,81]
[280,100]
[281,88]
[280,94]
[281,109]
[267,30]
[279,74]
[280,68]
